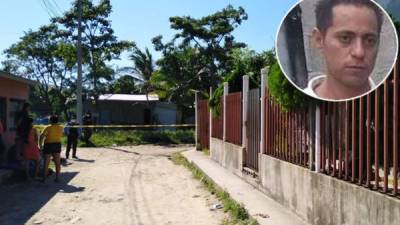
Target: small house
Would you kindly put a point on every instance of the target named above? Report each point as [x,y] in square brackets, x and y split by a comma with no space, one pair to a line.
[14,92]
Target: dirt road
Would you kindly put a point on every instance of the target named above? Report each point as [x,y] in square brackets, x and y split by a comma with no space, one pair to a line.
[120,185]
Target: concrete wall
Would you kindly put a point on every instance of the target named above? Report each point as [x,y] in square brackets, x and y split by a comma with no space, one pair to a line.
[228,155]
[320,199]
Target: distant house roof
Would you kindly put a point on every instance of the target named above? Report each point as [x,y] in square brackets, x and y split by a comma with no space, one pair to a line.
[16,78]
[124,97]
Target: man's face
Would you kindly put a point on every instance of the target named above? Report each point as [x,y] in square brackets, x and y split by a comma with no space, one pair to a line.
[350,44]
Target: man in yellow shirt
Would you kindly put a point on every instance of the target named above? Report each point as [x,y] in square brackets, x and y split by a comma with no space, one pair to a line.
[52,145]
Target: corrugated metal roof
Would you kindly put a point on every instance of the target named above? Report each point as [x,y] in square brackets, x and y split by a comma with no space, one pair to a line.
[125,97]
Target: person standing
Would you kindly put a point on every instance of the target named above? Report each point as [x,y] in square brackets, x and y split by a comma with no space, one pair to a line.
[72,138]
[31,149]
[51,136]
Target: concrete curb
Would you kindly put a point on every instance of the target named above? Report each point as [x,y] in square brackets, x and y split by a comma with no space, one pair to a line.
[259,206]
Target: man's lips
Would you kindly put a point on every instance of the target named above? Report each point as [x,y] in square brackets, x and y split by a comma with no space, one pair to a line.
[356,67]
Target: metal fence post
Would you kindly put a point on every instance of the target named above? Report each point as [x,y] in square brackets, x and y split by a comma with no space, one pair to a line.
[264,73]
[226,91]
[210,121]
[245,95]
[196,119]
[311,120]
[317,139]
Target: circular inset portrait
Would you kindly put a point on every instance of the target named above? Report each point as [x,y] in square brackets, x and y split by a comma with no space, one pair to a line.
[336,50]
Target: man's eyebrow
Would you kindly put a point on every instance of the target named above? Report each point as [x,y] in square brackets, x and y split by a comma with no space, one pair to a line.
[350,32]
[345,32]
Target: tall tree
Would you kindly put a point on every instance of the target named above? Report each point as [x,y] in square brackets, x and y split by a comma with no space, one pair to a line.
[124,85]
[47,57]
[211,36]
[99,44]
[176,79]
[144,67]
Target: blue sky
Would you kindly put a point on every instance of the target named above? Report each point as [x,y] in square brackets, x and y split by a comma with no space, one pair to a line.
[141,20]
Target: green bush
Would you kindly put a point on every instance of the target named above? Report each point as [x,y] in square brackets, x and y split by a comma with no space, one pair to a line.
[125,137]
[283,92]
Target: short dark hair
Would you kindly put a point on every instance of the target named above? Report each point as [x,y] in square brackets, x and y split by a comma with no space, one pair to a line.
[324,12]
[53,119]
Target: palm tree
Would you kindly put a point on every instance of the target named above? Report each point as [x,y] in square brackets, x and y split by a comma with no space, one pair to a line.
[144,67]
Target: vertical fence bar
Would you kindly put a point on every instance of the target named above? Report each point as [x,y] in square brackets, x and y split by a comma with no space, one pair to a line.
[395,127]
[361,141]
[368,181]
[323,136]
[290,143]
[286,137]
[334,137]
[279,133]
[269,125]
[275,140]
[340,130]
[303,132]
[301,137]
[317,139]
[295,144]
[329,144]
[347,144]
[385,136]
[353,142]
[376,137]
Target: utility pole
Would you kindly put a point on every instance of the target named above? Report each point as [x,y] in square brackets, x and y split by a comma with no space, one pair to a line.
[79,57]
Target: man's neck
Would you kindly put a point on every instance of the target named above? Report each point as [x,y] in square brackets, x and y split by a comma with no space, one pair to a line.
[332,89]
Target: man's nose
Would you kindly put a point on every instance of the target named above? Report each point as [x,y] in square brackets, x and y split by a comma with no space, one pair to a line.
[358,49]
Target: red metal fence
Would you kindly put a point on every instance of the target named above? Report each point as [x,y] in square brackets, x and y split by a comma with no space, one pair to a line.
[287,135]
[360,138]
[218,123]
[203,126]
[234,118]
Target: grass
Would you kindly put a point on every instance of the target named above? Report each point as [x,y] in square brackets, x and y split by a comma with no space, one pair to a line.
[104,138]
[239,215]
[206,151]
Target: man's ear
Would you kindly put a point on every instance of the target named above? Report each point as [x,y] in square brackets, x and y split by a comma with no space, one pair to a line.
[318,38]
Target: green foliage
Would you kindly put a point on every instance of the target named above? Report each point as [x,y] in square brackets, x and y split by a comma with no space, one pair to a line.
[177,77]
[283,92]
[125,137]
[124,85]
[244,62]
[215,101]
[211,37]
[47,57]
[99,44]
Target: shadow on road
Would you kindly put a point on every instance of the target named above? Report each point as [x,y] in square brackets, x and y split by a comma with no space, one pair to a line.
[19,201]
[123,150]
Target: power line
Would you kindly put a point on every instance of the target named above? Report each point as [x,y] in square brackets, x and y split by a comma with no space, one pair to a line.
[57,7]
[42,4]
[50,7]
[51,10]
